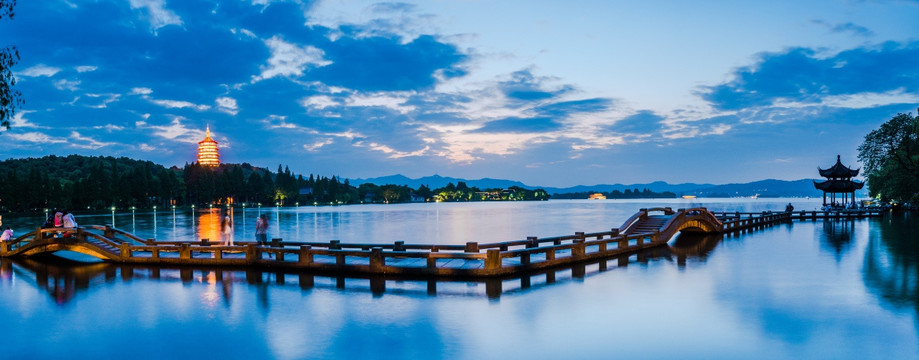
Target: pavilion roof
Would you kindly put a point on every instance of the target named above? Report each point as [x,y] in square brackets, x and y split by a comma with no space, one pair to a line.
[838,171]
[838,186]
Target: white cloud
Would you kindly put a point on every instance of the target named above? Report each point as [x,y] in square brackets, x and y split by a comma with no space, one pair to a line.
[19,121]
[141,91]
[109,127]
[174,131]
[83,142]
[383,100]
[40,70]
[86,68]
[178,104]
[317,145]
[393,153]
[289,59]
[159,16]
[64,84]
[245,32]
[35,137]
[318,102]
[145,147]
[227,105]
[106,99]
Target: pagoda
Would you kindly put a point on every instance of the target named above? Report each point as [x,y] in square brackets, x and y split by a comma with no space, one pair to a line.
[838,181]
[208,154]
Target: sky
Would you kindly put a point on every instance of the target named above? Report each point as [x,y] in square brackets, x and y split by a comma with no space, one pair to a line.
[550,93]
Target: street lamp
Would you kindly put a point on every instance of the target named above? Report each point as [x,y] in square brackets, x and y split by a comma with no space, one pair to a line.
[113,216]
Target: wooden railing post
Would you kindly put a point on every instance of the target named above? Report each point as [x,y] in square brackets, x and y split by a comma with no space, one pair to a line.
[306,255]
[335,245]
[125,251]
[398,246]
[108,232]
[532,242]
[377,262]
[472,247]
[184,252]
[4,247]
[579,248]
[252,253]
[493,259]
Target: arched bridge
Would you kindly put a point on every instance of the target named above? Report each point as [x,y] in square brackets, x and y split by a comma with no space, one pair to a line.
[103,242]
[668,223]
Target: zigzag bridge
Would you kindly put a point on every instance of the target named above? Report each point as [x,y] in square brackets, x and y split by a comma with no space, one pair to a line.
[647,228]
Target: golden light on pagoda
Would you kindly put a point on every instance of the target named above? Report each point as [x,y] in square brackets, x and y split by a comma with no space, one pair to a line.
[208,155]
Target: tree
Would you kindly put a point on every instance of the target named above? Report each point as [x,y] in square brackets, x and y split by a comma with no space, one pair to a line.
[10,99]
[891,158]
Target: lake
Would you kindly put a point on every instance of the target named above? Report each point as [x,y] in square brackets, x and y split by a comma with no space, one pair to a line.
[811,289]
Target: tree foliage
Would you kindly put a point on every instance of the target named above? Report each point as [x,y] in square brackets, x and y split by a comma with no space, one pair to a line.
[83,182]
[10,99]
[891,158]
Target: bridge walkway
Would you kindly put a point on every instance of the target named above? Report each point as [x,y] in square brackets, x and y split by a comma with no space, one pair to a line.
[647,228]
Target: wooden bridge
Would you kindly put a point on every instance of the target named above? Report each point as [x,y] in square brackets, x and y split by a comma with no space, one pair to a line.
[647,228]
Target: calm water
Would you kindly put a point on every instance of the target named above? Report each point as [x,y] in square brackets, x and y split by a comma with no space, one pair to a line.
[825,289]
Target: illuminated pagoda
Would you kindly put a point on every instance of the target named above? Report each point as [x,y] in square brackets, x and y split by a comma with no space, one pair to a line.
[208,155]
[838,181]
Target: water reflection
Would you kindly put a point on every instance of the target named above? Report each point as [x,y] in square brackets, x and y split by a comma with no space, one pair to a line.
[837,236]
[891,264]
[63,279]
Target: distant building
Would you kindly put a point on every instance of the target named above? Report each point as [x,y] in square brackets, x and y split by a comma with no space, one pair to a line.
[208,154]
[839,181]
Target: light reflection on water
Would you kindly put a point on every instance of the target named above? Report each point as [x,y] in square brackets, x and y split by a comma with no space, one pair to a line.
[824,289]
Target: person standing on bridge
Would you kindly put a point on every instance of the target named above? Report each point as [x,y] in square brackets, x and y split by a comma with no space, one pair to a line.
[228,228]
[261,230]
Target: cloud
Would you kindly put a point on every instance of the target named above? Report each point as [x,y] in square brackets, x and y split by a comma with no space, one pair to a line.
[227,105]
[83,142]
[40,70]
[141,91]
[64,84]
[35,137]
[157,14]
[524,86]
[178,104]
[19,121]
[109,127]
[810,76]
[146,147]
[317,145]
[380,100]
[289,60]
[86,68]
[393,153]
[318,102]
[104,99]
[174,131]
[847,27]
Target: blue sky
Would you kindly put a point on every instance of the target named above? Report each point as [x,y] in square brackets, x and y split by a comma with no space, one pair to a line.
[550,93]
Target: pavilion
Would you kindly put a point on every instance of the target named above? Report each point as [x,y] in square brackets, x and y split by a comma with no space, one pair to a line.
[838,181]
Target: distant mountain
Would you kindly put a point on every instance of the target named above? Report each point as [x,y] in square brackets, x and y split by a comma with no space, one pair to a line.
[657,186]
[764,188]
[437,181]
